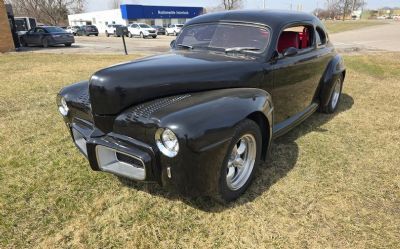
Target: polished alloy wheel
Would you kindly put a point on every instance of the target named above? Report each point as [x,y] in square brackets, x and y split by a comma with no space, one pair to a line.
[241,162]
[336,93]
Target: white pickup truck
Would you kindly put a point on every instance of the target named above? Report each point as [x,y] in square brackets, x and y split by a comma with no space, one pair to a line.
[141,30]
[173,29]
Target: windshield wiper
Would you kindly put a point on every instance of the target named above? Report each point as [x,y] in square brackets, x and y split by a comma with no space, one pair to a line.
[184,46]
[240,49]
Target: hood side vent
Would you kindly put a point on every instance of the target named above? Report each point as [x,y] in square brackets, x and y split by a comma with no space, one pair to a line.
[145,110]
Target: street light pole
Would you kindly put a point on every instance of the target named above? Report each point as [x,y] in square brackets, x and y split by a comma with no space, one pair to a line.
[264,4]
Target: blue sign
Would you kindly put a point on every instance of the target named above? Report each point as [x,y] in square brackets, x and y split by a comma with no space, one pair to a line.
[133,11]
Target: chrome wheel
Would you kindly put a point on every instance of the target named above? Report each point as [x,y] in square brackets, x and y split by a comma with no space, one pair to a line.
[336,93]
[241,162]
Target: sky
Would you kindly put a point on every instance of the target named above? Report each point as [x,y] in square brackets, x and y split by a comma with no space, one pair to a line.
[307,5]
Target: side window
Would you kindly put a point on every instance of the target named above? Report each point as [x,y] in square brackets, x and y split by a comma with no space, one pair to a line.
[300,37]
[320,36]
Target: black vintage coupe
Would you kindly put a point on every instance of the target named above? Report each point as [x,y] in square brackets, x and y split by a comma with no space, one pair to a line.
[201,118]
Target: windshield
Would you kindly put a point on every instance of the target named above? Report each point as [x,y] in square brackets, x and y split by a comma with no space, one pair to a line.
[145,26]
[54,30]
[225,36]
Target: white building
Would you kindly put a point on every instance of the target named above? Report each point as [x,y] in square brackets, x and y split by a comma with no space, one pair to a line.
[129,13]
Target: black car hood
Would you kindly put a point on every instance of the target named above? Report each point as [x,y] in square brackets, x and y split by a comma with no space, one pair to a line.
[118,87]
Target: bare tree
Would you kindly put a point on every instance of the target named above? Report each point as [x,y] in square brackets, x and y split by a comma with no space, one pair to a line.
[343,8]
[54,12]
[232,4]
[114,4]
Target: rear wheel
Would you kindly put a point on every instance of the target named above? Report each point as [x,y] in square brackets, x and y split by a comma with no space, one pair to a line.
[241,161]
[68,44]
[175,34]
[107,34]
[45,43]
[130,35]
[335,97]
[141,35]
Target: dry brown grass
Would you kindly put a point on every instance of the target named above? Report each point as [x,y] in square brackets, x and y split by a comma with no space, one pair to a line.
[333,182]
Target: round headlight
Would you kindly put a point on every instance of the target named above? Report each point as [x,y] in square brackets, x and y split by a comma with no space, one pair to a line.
[167,142]
[63,108]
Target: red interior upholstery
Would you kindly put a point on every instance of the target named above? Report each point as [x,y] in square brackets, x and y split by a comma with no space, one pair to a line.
[305,37]
[288,39]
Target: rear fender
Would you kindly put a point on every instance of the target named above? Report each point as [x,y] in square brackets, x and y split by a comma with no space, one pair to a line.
[334,70]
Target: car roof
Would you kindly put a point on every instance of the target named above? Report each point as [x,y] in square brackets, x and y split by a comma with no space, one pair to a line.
[272,18]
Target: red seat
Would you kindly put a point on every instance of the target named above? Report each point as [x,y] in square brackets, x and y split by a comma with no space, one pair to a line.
[305,38]
[288,39]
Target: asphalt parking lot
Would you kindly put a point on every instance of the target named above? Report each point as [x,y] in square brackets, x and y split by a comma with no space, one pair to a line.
[109,45]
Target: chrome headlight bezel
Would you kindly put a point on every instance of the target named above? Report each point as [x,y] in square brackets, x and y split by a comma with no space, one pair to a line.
[167,142]
[63,107]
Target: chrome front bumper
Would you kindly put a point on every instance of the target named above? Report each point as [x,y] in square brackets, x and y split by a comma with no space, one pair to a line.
[113,153]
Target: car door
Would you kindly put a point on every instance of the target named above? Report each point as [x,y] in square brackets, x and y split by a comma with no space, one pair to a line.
[36,36]
[28,36]
[135,29]
[295,77]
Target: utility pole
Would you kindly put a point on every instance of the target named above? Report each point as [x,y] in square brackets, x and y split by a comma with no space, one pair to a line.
[264,4]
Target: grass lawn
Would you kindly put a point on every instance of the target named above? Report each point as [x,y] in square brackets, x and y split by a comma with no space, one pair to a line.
[333,182]
[340,26]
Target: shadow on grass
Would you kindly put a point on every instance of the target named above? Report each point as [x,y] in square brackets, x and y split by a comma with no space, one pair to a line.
[282,159]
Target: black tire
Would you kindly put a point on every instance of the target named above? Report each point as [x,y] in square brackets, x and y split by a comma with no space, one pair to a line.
[45,43]
[107,34]
[154,37]
[166,33]
[244,128]
[175,34]
[96,34]
[130,35]
[142,36]
[68,44]
[23,42]
[333,102]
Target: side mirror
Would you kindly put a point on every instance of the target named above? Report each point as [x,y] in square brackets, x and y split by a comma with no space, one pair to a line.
[292,51]
[172,44]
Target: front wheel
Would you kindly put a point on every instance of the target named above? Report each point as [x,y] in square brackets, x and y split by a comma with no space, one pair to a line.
[68,44]
[335,97]
[241,161]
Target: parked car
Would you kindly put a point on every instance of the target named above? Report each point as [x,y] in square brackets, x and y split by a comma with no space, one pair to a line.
[112,29]
[87,30]
[159,29]
[47,36]
[72,29]
[202,117]
[174,29]
[141,30]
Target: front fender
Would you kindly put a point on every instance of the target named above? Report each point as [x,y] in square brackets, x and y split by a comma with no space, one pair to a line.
[204,123]
[207,119]
[334,69]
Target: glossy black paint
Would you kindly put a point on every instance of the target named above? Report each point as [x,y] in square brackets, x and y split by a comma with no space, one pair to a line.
[201,96]
[37,35]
